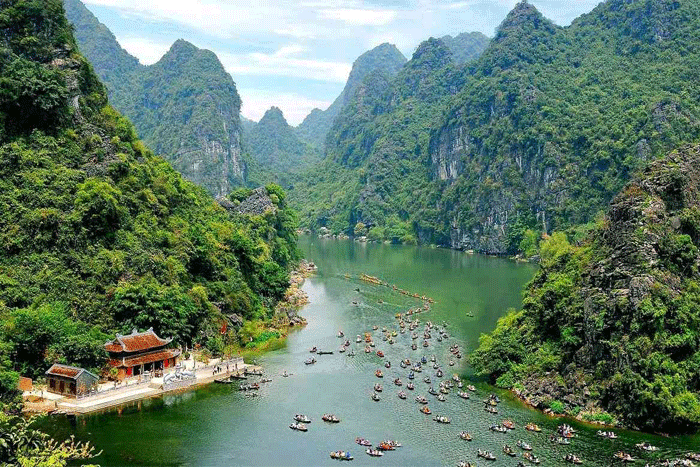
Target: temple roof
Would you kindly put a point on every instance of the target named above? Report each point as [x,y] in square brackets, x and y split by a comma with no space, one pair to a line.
[136,342]
[67,371]
[145,358]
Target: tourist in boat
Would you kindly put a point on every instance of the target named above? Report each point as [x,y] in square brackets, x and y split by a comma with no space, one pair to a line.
[302,418]
[410,386]
[465,436]
[374,452]
[298,427]
[402,395]
[624,457]
[378,387]
[363,442]
[573,459]
[375,397]
[340,334]
[645,446]
[314,349]
[463,395]
[523,445]
[310,361]
[485,455]
[398,382]
[387,364]
[341,455]
[531,457]
[533,427]
[379,374]
[509,451]
[330,418]
[425,410]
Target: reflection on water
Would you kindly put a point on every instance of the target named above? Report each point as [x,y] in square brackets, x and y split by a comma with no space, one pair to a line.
[219,426]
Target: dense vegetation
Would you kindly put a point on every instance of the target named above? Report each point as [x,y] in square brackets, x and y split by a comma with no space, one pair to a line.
[185,107]
[385,59]
[277,151]
[466,46]
[539,132]
[97,235]
[614,322]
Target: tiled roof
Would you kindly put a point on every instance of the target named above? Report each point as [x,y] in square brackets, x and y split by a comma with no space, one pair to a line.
[136,342]
[146,358]
[66,371]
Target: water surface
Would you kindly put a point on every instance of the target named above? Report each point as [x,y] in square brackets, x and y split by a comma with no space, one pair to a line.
[219,426]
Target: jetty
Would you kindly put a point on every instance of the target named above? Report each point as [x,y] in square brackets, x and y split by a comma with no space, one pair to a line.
[191,375]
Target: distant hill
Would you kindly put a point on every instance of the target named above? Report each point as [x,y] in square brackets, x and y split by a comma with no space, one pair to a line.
[186,106]
[276,149]
[385,59]
[466,46]
[538,133]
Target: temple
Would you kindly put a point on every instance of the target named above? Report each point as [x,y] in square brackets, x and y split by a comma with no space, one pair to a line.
[140,352]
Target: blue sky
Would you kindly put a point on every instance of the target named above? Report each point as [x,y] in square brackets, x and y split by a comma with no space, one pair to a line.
[297,54]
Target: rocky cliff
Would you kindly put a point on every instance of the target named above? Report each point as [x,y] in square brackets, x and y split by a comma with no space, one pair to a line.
[186,107]
[613,323]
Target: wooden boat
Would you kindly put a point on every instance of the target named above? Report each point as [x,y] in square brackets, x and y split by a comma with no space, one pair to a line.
[342,349]
[324,352]
[378,387]
[441,419]
[451,363]
[384,446]
[441,398]
[421,400]
[414,346]
[624,457]
[330,418]
[402,395]
[298,427]
[387,364]
[455,378]
[572,459]
[463,395]
[379,374]
[498,429]
[523,445]
[227,380]
[246,371]
[508,424]
[340,334]
[393,443]
[471,388]
[302,418]
[509,451]
[485,455]
[530,457]
[465,464]
[363,442]
[375,397]
[238,376]
[313,349]
[380,353]
[646,447]
[490,409]
[465,436]
[533,427]
[310,361]
[374,452]
[410,386]
[425,410]
[398,382]
[358,339]
[341,455]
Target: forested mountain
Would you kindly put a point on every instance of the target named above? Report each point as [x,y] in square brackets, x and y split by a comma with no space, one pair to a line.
[466,46]
[278,152]
[385,59]
[185,107]
[614,323]
[98,235]
[539,132]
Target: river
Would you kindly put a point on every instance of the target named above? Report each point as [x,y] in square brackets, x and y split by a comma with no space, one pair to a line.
[219,426]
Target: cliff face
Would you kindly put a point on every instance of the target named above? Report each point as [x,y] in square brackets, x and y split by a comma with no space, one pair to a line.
[186,107]
[613,323]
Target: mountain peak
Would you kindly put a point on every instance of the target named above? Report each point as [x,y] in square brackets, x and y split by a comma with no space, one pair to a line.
[431,54]
[523,16]
[273,116]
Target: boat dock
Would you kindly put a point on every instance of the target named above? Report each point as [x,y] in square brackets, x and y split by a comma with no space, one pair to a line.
[110,395]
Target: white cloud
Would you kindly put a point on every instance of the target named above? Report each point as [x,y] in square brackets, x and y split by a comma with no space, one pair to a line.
[294,106]
[360,17]
[146,50]
[284,62]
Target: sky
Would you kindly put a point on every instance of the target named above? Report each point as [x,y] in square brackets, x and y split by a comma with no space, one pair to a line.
[297,54]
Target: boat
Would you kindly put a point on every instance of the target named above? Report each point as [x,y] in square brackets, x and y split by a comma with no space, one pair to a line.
[368,349]
[423,360]
[471,388]
[460,385]
[425,410]
[226,380]
[384,446]
[375,397]
[508,424]
[441,398]
[693,456]
[572,459]
[533,427]
[465,436]
[444,390]
[606,434]
[302,418]
[425,343]
[560,440]
[324,352]
[310,361]
[378,387]
[624,457]
[330,418]
[439,374]
[341,455]
[358,339]
[375,327]
[528,456]
[402,395]
[427,379]
[387,364]
[313,349]
[455,378]
[363,442]
[485,455]
[433,359]
[410,386]
[435,366]
[523,445]
[342,349]
[284,374]
[498,429]
[340,334]
[490,409]
[298,427]
[374,452]
[463,395]
[509,451]
[398,382]
[393,443]
[380,353]
[646,447]
[432,391]
[403,364]
[417,369]
[414,346]
[379,374]
[441,419]
[421,400]
[465,464]
[352,353]
[266,380]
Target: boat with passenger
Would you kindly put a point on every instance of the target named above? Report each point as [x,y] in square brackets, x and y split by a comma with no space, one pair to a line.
[298,427]
[362,441]
[442,419]
[341,455]
[465,436]
[402,395]
[645,446]
[533,427]
[572,459]
[398,382]
[509,451]
[485,455]
[302,418]
[624,457]
[463,395]
[310,361]
[410,386]
[425,410]
[379,374]
[374,452]
[375,397]
[378,387]
[330,418]
[523,445]
[530,457]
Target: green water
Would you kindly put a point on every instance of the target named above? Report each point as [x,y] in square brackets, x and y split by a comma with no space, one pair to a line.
[219,426]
